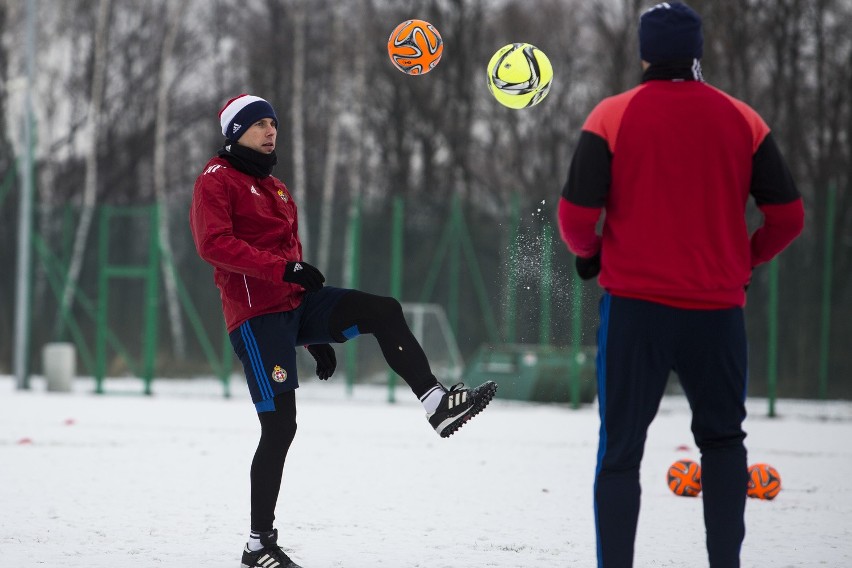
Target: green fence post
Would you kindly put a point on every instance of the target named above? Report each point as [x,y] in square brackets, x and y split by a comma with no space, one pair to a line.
[576,337]
[396,272]
[151,300]
[149,273]
[354,281]
[103,299]
[64,259]
[827,274]
[455,264]
[772,344]
[546,283]
[512,284]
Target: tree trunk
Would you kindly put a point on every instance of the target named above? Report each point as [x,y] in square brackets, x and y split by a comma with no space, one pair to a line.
[175,9]
[332,151]
[355,177]
[90,185]
[297,113]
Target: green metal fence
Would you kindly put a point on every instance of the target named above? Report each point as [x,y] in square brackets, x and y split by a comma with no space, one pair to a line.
[454,277]
[94,354]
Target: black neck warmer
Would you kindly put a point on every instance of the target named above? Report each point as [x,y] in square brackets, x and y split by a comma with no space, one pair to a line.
[248,161]
[683,70]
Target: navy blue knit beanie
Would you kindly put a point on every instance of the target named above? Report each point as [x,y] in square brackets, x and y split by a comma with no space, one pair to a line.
[670,31]
[241,112]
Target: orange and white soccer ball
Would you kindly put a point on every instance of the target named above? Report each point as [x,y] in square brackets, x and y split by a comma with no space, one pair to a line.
[684,478]
[764,482]
[415,47]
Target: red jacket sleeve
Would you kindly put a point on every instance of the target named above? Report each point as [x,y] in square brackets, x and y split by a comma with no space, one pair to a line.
[212,231]
[777,198]
[781,224]
[577,228]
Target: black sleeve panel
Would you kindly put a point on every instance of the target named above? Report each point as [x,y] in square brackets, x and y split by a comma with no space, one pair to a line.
[589,176]
[771,180]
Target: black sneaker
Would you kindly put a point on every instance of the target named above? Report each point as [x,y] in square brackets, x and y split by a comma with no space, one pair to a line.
[459,405]
[270,556]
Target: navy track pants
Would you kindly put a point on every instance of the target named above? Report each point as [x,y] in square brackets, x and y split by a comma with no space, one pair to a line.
[639,343]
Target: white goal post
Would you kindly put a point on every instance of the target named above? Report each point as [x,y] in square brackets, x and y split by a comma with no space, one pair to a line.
[430,326]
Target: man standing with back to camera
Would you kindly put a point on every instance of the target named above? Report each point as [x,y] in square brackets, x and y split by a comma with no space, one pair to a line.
[244,223]
[673,162]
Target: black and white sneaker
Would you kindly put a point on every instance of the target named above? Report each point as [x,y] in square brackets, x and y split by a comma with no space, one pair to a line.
[458,405]
[270,556]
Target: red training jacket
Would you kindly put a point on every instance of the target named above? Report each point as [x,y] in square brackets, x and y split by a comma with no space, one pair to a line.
[673,163]
[247,228]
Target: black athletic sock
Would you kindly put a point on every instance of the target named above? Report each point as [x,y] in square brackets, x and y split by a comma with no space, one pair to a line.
[382,316]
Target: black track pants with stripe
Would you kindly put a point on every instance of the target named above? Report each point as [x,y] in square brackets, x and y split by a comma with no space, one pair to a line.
[639,344]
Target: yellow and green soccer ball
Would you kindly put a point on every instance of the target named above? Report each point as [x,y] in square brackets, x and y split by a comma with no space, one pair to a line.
[519,75]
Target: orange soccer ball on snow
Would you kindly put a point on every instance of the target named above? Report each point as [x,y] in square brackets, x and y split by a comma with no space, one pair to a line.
[764,482]
[684,478]
[415,47]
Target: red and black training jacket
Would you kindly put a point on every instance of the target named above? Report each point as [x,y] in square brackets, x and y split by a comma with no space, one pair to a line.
[248,229]
[672,163]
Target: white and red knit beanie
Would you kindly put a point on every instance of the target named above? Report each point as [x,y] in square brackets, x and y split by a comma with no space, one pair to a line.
[241,112]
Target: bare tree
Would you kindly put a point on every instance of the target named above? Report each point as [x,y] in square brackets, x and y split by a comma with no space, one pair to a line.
[616,24]
[355,178]
[176,10]
[333,149]
[90,191]
[297,113]
[429,138]
[58,139]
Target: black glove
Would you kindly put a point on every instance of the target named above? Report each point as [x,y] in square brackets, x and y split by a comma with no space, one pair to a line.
[305,275]
[325,358]
[588,268]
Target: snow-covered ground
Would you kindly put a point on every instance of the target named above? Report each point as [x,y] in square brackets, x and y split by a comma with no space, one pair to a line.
[124,480]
